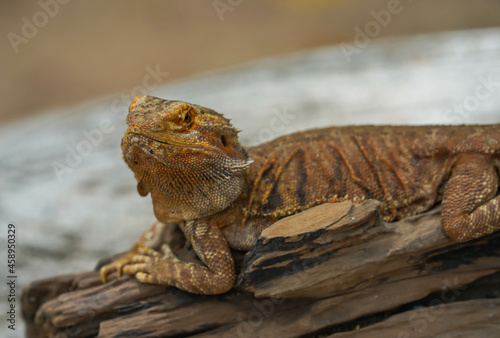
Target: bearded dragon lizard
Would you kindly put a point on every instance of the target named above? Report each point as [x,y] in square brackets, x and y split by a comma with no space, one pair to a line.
[222,195]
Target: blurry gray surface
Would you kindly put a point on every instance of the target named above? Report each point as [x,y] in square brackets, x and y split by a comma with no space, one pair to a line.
[93,211]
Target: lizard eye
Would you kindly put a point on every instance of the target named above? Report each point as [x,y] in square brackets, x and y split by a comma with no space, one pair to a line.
[187,118]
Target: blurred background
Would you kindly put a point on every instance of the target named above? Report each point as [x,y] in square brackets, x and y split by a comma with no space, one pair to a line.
[68,66]
[57,53]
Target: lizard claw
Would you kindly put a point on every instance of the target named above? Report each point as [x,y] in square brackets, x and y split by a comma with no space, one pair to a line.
[117,265]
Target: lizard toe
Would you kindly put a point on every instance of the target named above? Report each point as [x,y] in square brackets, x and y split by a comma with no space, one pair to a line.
[167,252]
[146,278]
[133,269]
[147,251]
[104,274]
[141,259]
[116,266]
[139,263]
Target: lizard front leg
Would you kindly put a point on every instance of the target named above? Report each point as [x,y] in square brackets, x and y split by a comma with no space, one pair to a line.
[470,207]
[151,266]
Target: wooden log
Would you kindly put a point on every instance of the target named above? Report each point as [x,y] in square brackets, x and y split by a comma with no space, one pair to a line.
[473,318]
[328,270]
[340,245]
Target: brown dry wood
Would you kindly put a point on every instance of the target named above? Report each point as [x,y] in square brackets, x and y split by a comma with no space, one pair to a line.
[323,271]
[474,318]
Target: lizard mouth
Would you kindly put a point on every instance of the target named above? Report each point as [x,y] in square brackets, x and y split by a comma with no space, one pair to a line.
[169,143]
[155,139]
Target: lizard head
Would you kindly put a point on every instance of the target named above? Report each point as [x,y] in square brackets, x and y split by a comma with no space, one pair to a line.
[187,156]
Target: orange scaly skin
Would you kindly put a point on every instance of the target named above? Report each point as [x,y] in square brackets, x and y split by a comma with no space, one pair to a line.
[190,160]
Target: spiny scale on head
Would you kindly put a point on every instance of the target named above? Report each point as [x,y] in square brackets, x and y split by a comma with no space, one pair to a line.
[150,110]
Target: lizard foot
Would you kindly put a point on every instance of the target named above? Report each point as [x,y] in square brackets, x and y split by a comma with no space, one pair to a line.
[117,265]
[147,264]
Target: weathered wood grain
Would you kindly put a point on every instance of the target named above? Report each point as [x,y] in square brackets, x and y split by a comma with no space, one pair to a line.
[316,272]
[473,318]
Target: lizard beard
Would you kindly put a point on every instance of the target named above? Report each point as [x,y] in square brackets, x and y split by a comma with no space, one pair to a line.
[187,183]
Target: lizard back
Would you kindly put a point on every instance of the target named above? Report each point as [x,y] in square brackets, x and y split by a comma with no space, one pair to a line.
[404,167]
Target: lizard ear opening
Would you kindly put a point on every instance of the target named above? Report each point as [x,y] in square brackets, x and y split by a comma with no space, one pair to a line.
[223,140]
